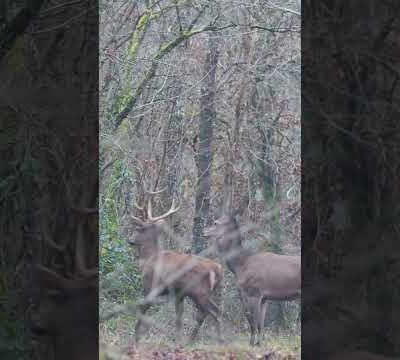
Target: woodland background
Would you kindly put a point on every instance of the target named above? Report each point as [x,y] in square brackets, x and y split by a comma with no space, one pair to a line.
[173,75]
[350,130]
[202,98]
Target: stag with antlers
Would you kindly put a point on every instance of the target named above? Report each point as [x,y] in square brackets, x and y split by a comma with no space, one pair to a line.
[171,273]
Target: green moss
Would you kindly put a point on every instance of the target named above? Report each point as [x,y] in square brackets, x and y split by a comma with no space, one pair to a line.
[140,31]
[134,46]
[137,38]
[166,48]
[187,34]
[144,21]
[124,99]
[121,101]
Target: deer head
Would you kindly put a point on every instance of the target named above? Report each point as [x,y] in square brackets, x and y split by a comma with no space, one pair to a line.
[149,227]
[224,233]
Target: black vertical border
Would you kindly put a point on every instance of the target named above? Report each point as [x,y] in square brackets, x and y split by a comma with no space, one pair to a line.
[41,40]
[350,172]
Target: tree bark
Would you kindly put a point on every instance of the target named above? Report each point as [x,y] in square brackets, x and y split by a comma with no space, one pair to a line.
[173,162]
[205,155]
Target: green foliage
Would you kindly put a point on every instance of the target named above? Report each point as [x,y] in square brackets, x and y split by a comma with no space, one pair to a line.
[111,202]
[124,282]
[121,279]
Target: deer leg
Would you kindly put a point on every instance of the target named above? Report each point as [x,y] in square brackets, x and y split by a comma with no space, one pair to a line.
[217,304]
[206,307]
[179,307]
[261,333]
[251,313]
[257,314]
[142,311]
[215,313]
[200,316]
[250,319]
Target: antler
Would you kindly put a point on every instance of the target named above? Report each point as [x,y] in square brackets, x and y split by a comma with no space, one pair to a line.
[171,211]
[150,218]
[136,205]
[138,221]
[155,192]
[150,194]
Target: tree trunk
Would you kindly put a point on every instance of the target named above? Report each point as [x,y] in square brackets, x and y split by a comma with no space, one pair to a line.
[204,154]
[173,164]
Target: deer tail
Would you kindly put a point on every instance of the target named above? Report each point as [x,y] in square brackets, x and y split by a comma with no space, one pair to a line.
[212,279]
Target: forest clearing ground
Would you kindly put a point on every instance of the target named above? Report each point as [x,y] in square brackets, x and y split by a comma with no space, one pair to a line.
[157,342]
[280,347]
[234,351]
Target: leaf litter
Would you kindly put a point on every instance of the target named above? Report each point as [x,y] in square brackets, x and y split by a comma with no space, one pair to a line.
[205,354]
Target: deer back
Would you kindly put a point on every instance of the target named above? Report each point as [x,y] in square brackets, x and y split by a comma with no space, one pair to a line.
[182,272]
[271,275]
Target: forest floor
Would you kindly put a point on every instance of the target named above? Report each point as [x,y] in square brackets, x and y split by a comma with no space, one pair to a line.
[232,352]
[158,342]
[280,348]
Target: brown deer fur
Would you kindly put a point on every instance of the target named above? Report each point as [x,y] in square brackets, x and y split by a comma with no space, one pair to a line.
[260,277]
[177,274]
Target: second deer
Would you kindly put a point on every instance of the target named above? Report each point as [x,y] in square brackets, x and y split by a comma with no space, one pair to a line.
[260,277]
[168,272]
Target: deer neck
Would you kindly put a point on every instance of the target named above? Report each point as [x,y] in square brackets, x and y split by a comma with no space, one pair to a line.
[237,259]
[146,251]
